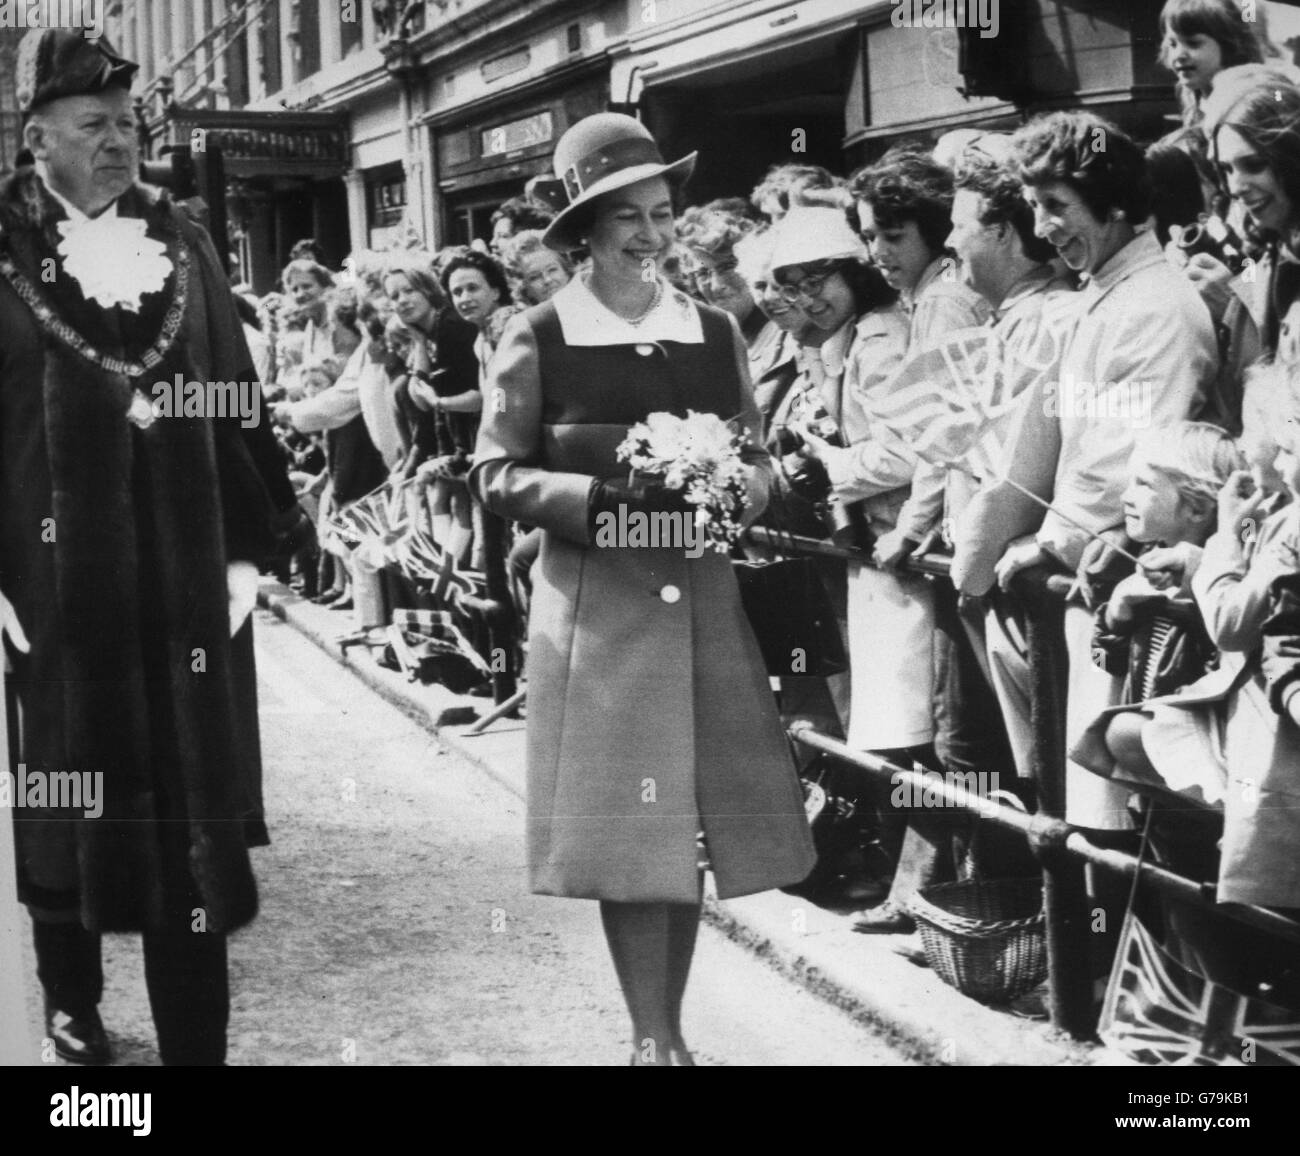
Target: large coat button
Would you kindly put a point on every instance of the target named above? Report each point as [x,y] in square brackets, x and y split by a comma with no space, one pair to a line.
[670,594]
[645,350]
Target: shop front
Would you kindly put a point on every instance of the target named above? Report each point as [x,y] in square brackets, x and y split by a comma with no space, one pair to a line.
[284,173]
[486,154]
[836,82]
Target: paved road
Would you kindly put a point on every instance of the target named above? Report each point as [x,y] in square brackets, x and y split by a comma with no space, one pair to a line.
[396,928]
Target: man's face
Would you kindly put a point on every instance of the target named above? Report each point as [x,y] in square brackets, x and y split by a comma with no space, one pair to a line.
[975,243]
[88,145]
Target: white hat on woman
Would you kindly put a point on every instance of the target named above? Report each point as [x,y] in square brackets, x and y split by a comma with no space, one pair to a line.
[807,234]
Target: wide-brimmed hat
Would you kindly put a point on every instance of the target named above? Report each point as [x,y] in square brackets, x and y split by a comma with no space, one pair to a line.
[597,155]
[57,62]
[807,234]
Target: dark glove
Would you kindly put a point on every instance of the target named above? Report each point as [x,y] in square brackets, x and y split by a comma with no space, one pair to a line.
[638,494]
[807,476]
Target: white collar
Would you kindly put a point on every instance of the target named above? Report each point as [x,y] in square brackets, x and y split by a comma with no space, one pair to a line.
[585,320]
[75,215]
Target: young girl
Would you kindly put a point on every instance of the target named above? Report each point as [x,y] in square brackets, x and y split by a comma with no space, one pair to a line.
[1199,39]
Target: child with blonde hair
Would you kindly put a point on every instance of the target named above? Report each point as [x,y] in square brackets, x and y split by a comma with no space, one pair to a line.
[1217,763]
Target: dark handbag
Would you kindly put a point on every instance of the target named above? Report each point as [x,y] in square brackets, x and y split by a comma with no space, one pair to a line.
[842,826]
[791,616]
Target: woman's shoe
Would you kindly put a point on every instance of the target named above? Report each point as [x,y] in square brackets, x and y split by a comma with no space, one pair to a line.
[886,919]
[679,1057]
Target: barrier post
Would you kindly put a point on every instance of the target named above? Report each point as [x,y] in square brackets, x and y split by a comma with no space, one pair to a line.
[1065,895]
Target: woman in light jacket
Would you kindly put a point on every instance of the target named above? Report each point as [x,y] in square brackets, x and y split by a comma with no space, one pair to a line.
[653,737]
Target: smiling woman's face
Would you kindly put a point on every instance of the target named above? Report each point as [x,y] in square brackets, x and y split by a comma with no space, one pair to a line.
[831,305]
[1252,181]
[633,226]
[543,274]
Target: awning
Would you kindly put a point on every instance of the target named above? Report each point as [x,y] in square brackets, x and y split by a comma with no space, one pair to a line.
[690,48]
[266,144]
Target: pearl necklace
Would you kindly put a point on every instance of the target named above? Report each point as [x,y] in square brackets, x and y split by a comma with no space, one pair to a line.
[640,318]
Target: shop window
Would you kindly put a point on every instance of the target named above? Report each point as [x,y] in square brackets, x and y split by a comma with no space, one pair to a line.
[237,73]
[272,74]
[304,35]
[385,207]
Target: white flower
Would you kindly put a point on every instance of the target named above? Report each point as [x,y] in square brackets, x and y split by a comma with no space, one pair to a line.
[112,260]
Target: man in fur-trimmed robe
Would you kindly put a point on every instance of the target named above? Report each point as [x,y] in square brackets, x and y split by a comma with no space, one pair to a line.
[129,545]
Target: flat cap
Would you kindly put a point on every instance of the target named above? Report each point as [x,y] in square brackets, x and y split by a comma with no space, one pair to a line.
[57,62]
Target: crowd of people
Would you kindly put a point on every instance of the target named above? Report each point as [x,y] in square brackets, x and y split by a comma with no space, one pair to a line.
[1145,315]
[1053,350]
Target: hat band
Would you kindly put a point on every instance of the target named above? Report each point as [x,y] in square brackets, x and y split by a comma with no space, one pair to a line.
[613,158]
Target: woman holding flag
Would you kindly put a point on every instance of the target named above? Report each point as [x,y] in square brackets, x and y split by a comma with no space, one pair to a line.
[904,206]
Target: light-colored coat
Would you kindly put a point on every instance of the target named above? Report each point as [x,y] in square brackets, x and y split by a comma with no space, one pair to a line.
[650,716]
[1143,354]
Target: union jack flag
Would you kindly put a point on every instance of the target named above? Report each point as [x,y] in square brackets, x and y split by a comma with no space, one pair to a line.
[393,526]
[1158,1011]
[953,403]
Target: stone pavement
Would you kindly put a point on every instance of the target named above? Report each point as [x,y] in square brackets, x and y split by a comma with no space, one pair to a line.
[868,977]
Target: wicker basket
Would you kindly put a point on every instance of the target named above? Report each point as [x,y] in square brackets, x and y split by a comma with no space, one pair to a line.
[985,936]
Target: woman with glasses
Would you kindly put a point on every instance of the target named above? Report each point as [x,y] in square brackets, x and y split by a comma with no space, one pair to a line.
[709,238]
[904,208]
[654,745]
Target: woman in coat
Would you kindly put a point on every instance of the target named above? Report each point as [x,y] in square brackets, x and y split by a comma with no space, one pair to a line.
[650,719]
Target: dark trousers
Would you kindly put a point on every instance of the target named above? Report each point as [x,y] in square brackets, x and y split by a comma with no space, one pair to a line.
[184,971]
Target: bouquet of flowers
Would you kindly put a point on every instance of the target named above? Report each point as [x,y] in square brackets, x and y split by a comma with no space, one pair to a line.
[700,456]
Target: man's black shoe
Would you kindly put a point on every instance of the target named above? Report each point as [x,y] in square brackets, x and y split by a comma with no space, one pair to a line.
[78,1039]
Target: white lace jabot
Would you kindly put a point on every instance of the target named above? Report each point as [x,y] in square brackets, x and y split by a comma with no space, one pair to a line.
[110,256]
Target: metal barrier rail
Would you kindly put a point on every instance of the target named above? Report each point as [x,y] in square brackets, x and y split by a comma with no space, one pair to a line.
[1061,849]
[1045,832]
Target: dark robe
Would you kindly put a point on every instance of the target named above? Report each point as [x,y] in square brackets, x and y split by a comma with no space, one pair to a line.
[114,542]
